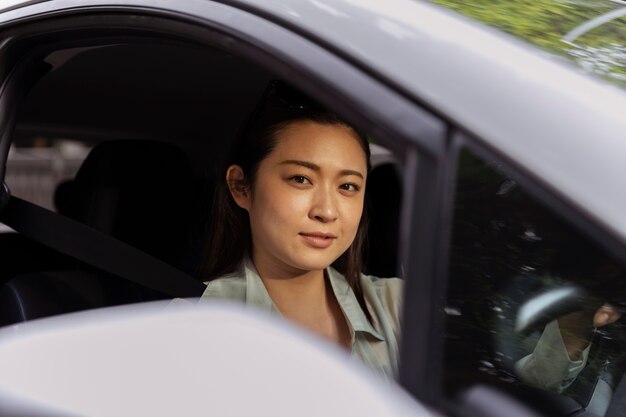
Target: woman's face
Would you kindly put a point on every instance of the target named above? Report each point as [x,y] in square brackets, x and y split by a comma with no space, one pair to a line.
[306,202]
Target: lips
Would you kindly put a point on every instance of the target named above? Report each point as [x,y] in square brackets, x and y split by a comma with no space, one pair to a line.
[319,240]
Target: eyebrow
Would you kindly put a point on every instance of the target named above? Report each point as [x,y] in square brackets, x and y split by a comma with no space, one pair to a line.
[315,167]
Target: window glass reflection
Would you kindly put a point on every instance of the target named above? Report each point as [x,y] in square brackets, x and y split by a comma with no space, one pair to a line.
[533,305]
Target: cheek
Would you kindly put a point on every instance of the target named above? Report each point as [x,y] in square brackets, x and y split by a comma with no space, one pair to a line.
[352,216]
[279,207]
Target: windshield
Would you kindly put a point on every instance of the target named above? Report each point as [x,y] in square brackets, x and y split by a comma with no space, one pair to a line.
[591,33]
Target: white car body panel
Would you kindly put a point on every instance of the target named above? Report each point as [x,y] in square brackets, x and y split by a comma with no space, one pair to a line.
[215,359]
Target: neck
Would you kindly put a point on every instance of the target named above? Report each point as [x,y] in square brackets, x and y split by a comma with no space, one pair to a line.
[297,294]
[306,298]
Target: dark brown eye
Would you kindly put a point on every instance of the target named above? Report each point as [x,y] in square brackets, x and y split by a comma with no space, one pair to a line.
[300,179]
[350,187]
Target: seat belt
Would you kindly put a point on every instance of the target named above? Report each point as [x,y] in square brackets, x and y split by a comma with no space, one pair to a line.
[97,249]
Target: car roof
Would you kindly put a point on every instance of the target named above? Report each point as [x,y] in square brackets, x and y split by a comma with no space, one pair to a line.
[562,126]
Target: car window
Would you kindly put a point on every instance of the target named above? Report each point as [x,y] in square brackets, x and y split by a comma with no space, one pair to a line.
[150,125]
[40,164]
[534,306]
[131,152]
[116,140]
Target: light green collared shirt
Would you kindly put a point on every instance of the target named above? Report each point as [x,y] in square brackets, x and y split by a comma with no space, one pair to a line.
[375,344]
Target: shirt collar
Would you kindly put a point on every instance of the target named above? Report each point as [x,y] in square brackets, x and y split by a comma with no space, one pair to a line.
[348,302]
[257,295]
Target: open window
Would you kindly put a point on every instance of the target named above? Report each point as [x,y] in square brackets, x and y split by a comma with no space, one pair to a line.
[124,134]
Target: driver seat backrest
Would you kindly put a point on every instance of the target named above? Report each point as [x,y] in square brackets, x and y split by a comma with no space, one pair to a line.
[140,192]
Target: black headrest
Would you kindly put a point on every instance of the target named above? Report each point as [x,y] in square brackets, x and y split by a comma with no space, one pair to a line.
[384,192]
[141,192]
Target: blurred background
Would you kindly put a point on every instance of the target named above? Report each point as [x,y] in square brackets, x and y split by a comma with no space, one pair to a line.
[35,169]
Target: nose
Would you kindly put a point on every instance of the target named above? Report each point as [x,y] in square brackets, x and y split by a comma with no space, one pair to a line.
[324,206]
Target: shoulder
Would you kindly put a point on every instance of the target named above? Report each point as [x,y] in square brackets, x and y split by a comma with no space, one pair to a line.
[232,286]
[388,289]
[384,295]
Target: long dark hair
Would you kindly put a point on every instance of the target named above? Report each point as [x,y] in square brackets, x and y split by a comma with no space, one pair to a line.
[230,235]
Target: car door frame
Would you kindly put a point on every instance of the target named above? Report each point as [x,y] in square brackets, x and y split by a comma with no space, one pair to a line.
[394,119]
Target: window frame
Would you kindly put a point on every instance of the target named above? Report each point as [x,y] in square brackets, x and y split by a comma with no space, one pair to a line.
[399,123]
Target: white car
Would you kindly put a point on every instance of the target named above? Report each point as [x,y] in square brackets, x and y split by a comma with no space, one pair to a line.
[501,181]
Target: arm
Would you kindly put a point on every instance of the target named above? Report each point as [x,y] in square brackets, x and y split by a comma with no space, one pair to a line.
[562,350]
[549,366]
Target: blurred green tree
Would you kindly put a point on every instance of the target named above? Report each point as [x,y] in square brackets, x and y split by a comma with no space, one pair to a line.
[544,23]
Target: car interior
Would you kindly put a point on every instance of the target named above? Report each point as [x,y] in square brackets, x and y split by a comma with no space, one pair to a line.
[157,116]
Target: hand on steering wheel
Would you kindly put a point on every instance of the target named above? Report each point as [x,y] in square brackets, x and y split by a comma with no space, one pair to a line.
[577,328]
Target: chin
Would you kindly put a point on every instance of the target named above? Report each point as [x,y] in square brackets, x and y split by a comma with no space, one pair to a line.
[313,262]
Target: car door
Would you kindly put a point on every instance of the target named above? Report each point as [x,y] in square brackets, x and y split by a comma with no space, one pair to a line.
[415,136]
[425,142]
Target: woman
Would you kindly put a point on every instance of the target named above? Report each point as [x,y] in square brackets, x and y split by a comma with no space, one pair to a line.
[289,228]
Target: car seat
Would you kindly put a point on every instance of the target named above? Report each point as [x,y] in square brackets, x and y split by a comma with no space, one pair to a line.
[140,192]
[384,195]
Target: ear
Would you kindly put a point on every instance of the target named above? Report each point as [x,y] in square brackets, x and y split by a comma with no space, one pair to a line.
[235,179]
